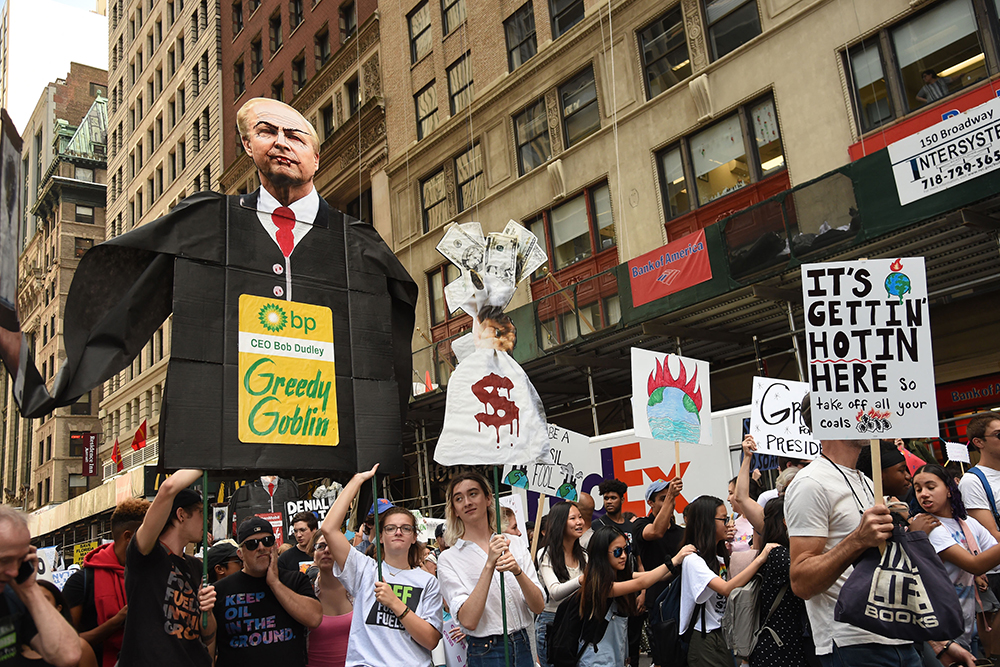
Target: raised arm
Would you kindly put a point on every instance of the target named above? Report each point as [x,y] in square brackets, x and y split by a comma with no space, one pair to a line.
[751,508]
[642,580]
[336,540]
[723,587]
[306,610]
[661,523]
[159,511]
[978,564]
[557,590]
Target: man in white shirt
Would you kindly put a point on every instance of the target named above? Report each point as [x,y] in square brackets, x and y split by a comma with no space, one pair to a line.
[832,519]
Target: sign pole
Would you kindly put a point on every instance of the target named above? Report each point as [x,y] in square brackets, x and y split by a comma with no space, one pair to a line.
[538,518]
[876,449]
[375,529]
[204,540]
[677,459]
[503,590]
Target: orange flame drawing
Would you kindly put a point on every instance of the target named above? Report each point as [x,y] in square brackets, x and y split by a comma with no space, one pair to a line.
[661,377]
[897,265]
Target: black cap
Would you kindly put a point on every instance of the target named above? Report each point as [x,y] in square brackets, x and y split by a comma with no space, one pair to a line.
[252,526]
[890,455]
[221,552]
[185,498]
[439,531]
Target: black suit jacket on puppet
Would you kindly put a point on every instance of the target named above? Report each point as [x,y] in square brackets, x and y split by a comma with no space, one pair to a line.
[196,261]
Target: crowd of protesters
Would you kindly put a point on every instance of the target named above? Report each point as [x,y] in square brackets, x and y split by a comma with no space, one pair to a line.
[384,597]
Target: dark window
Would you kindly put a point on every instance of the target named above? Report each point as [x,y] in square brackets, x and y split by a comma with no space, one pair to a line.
[731,23]
[578,98]
[256,57]
[76,440]
[298,73]
[274,28]
[664,52]
[82,246]
[239,78]
[348,21]
[436,281]
[237,17]
[427,110]
[531,131]
[84,214]
[353,96]
[326,116]
[452,14]
[872,102]
[460,88]
[520,32]
[98,89]
[294,14]
[322,47]
[565,15]
[469,174]
[278,90]
[420,31]
[433,201]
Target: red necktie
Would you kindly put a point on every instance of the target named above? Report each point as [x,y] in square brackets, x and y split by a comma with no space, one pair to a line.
[284,219]
[270,489]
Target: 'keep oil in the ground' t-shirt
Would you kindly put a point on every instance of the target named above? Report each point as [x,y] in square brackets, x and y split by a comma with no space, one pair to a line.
[253,627]
[377,635]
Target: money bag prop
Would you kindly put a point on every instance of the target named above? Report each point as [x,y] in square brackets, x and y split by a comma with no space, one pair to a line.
[493,416]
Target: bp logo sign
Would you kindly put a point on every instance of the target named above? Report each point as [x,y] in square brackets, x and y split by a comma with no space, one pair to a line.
[272,317]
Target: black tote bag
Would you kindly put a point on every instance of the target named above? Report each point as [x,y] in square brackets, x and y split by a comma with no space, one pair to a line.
[903,593]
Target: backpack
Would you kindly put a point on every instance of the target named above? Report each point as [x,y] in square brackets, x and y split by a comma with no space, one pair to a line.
[741,624]
[564,634]
[989,493]
[667,645]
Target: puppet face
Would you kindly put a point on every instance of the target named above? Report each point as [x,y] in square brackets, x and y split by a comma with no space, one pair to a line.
[280,145]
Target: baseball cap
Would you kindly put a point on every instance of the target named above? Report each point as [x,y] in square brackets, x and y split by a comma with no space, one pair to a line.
[252,526]
[185,498]
[221,552]
[383,505]
[654,488]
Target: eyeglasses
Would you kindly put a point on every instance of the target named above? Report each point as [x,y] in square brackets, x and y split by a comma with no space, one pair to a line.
[618,551]
[994,434]
[722,519]
[251,545]
[391,530]
[322,546]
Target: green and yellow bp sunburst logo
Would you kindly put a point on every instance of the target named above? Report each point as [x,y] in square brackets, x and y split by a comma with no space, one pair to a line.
[272,317]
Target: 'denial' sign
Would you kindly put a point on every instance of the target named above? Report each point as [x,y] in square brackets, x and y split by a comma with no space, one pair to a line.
[868,340]
[287,390]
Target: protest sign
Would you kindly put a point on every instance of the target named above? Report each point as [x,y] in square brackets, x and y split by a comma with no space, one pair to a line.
[671,397]
[82,549]
[274,518]
[868,340]
[668,269]
[318,506]
[515,503]
[956,451]
[573,459]
[776,421]
[220,522]
[49,561]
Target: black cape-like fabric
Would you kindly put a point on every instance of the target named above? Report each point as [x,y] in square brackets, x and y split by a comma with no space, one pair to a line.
[195,262]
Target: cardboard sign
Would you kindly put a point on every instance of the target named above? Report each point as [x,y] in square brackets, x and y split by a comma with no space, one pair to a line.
[318,506]
[956,451]
[516,504]
[220,522]
[274,518]
[671,397]
[288,389]
[776,421]
[573,458]
[678,265]
[958,149]
[868,340]
[82,549]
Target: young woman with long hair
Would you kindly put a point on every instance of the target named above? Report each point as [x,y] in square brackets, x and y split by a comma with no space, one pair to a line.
[398,619]
[560,566]
[966,547]
[328,642]
[470,572]
[705,584]
[609,591]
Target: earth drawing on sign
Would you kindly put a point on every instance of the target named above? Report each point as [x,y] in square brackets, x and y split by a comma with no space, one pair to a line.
[897,284]
[674,403]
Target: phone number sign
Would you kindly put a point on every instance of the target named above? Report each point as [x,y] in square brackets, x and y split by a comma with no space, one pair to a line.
[944,155]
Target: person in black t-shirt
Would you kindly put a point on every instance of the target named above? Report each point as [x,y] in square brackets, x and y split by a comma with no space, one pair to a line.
[613,492]
[26,615]
[163,585]
[304,526]
[262,612]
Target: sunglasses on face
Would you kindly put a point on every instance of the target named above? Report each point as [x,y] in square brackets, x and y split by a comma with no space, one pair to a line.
[618,551]
[391,530]
[251,545]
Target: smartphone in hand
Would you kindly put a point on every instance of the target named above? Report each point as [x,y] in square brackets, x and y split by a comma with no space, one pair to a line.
[25,571]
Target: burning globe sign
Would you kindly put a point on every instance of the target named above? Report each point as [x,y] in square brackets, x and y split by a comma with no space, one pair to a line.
[671,399]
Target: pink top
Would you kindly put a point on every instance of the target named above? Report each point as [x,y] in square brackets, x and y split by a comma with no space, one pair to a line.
[328,642]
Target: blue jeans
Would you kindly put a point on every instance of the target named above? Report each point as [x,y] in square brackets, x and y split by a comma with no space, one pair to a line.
[541,622]
[489,651]
[872,655]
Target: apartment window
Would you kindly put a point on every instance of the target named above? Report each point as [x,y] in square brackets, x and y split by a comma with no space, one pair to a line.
[170,13]
[159,80]
[256,56]
[196,136]
[149,44]
[239,78]
[731,24]
[433,201]
[348,21]
[204,68]
[322,47]
[452,14]
[180,50]
[420,31]
[664,52]
[194,26]
[206,177]
[565,14]
[159,180]
[427,110]
[578,98]
[206,132]
[182,154]
[460,88]
[326,116]
[85,214]
[254,4]
[159,32]
[469,174]
[274,28]
[724,157]
[237,17]
[531,132]
[82,246]
[436,281]
[294,14]
[578,228]
[278,90]
[181,100]
[353,96]
[83,174]
[520,32]
[298,73]
[196,80]
[172,166]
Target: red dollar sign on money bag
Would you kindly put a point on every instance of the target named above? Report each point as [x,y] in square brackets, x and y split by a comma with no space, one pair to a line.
[504,411]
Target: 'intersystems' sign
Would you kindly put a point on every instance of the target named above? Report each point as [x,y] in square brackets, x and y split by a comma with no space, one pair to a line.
[287,385]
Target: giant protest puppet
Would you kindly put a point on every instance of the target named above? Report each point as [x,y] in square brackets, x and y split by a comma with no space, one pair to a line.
[290,347]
